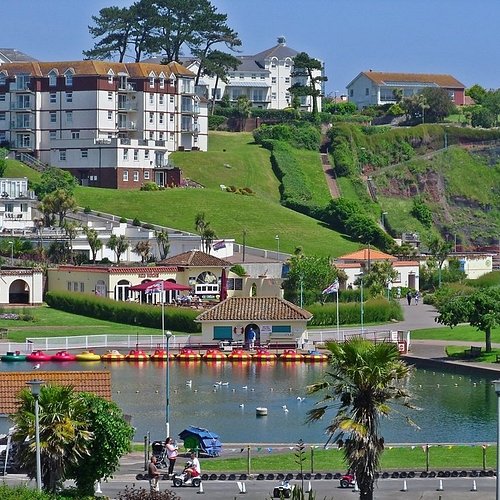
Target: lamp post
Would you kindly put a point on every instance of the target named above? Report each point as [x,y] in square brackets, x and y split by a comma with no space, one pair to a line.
[35,387]
[168,336]
[382,219]
[360,275]
[497,391]
[277,238]
[11,243]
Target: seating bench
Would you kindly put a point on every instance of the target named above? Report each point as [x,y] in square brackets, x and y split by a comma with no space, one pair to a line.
[3,333]
[473,352]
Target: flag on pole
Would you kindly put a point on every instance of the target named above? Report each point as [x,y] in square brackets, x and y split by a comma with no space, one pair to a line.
[156,287]
[218,245]
[333,288]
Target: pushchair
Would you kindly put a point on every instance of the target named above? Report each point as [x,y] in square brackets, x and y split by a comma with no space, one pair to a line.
[159,450]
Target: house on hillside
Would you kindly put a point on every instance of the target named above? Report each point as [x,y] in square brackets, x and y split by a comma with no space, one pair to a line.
[264,78]
[273,319]
[356,263]
[13,55]
[110,124]
[18,206]
[374,88]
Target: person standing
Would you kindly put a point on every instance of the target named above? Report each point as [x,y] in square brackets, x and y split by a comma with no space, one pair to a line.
[417,297]
[251,338]
[172,452]
[154,475]
[408,297]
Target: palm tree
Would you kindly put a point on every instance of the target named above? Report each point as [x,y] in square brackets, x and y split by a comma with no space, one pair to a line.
[64,437]
[143,248]
[163,243]
[71,228]
[94,242]
[366,379]
[118,244]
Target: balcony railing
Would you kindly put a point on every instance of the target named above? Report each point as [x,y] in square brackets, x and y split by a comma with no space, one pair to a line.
[20,87]
[21,105]
[127,125]
[129,87]
[127,106]
[20,126]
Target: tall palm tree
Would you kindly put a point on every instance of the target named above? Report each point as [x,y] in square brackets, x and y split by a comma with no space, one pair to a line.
[94,242]
[367,379]
[64,437]
[118,244]
[163,242]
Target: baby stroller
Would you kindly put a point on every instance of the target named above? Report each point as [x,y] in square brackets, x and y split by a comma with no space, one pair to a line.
[159,450]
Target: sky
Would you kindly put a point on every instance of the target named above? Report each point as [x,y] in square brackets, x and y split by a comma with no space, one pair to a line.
[455,37]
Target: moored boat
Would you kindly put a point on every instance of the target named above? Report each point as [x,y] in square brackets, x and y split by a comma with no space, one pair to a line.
[63,356]
[264,355]
[113,355]
[239,355]
[291,355]
[37,356]
[88,356]
[188,354]
[214,355]
[316,357]
[13,356]
[161,355]
[137,355]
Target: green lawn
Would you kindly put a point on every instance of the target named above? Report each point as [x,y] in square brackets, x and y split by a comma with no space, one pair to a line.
[232,160]
[460,333]
[48,322]
[229,215]
[17,169]
[398,458]
[458,352]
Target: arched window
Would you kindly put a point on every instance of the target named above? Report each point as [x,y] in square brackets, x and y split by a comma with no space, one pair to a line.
[68,76]
[253,290]
[53,78]
[122,291]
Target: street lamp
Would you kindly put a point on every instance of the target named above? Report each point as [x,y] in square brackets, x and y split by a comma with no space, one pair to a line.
[361,275]
[11,243]
[168,336]
[35,387]
[496,383]
[277,238]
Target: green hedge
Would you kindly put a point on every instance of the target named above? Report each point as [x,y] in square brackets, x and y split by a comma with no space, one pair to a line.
[377,310]
[23,493]
[177,319]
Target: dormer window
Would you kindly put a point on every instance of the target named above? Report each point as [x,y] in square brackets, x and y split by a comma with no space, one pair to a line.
[52,78]
[110,76]
[162,81]
[68,78]
[2,79]
[152,81]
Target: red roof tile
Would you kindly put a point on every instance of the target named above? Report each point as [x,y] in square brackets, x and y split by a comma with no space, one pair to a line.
[367,254]
[254,309]
[11,383]
[120,269]
[381,77]
[195,258]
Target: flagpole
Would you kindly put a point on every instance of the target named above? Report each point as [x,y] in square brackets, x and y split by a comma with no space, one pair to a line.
[338,330]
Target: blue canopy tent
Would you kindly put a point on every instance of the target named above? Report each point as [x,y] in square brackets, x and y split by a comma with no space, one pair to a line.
[202,440]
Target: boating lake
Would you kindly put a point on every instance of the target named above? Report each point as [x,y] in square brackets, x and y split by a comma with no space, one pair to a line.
[455,407]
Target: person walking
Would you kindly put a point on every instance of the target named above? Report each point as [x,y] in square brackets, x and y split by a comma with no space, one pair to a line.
[172,452]
[408,297]
[417,297]
[154,475]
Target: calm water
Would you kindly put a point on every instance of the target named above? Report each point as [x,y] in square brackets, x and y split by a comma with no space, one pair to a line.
[455,407]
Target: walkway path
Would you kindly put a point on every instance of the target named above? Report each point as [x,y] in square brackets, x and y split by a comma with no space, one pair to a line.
[330,176]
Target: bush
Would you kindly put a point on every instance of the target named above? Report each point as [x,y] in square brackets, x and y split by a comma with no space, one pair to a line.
[22,493]
[422,212]
[178,319]
[123,220]
[377,310]
[147,225]
[301,136]
[150,186]
[142,494]
[215,121]
[136,222]
[87,210]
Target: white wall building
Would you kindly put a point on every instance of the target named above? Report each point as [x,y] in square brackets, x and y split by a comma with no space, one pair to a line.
[264,78]
[17,205]
[110,124]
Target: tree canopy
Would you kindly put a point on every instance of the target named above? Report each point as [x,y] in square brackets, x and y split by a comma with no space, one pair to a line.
[54,178]
[304,66]
[160,26]
[480,309]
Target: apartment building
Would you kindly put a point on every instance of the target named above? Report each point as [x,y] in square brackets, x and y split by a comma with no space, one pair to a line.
[264,78]
[110,124]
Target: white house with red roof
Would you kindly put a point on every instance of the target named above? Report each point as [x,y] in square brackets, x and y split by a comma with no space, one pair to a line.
[360,261]
[374,88]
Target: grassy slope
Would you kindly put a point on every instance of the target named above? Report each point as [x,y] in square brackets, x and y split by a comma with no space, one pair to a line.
[229,214]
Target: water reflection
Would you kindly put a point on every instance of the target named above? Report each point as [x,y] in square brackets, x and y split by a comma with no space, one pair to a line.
[222,397]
